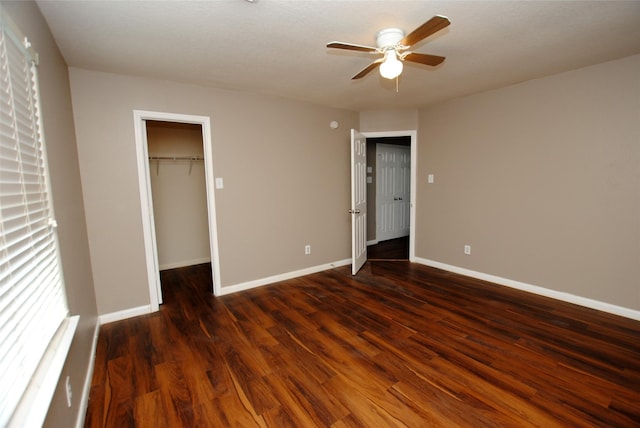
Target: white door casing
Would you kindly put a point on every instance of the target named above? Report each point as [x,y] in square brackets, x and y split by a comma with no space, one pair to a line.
[413,136]
[146,203]
[148,220]
[358,209]
[393,196]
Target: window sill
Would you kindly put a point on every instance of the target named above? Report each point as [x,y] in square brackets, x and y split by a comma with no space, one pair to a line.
[34,405]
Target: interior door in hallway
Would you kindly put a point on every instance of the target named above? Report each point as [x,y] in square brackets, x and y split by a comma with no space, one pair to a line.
[358,209]
[393,197]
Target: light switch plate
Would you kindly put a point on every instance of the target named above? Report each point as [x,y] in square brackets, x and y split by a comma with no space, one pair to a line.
[219,183]
[430,178]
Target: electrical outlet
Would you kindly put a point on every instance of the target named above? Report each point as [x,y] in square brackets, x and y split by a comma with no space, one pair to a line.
[67,385]
[307,249]
[467,250]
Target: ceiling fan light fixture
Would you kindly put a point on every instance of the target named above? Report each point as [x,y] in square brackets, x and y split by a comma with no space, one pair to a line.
[392,66]
[394,45]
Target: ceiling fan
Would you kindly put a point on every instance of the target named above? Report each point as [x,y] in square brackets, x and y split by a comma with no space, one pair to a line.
[394,46]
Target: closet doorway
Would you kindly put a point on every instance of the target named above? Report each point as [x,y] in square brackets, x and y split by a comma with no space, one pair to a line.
[176,179]
[179,194]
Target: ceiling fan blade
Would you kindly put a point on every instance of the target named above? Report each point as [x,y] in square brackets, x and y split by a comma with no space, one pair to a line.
[430,27]
[351,47]
[369,68]
[424,58]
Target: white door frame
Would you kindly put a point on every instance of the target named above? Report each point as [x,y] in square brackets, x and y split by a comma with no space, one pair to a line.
[413,134]
[146,202]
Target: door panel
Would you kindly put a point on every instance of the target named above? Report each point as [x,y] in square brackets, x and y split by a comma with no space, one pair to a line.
[385,191]
[393,197]
[403,191]
[358,201]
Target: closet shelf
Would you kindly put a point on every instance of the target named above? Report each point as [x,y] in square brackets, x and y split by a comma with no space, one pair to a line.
[191,159]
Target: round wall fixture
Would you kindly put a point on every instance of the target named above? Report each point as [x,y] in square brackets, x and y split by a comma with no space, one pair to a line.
[333,124]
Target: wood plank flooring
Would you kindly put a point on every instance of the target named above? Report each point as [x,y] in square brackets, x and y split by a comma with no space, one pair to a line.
[399,345]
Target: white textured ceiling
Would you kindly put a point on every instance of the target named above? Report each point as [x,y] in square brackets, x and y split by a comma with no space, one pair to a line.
[278,46]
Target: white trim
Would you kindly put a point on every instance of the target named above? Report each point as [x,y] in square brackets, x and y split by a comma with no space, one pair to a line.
[185,263]
[413,134]
[372,242]
[34,405]
[124,314]
[282,277]
[86,390]
[535,289]
[146,208]
[146,203]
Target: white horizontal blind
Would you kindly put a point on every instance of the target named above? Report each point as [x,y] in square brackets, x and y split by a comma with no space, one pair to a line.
[32,299]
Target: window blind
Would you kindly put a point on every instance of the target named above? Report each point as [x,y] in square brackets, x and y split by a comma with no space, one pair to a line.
[32,298]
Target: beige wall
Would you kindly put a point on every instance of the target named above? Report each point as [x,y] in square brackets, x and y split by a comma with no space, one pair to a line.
[179,194]
[388,120]
[542,179]
[285,171]
[67,199]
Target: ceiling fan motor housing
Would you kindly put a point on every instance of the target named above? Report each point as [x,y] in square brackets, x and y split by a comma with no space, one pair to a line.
[389,37]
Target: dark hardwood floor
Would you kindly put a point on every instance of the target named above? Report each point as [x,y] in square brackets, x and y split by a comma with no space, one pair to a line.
[398,345]
[392,249]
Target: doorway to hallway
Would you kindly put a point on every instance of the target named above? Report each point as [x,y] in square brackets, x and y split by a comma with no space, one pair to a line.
[389,190]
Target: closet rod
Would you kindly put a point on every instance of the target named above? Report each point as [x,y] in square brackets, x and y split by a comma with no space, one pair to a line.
[189,158]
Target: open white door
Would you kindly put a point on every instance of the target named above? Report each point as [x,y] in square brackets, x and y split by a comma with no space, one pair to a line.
[358,209]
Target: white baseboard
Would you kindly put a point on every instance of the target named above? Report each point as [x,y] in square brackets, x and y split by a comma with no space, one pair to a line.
[372,242]
[535,289]
[124,314]
[281,277]
[185,263]
[86,390]
[146,309]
